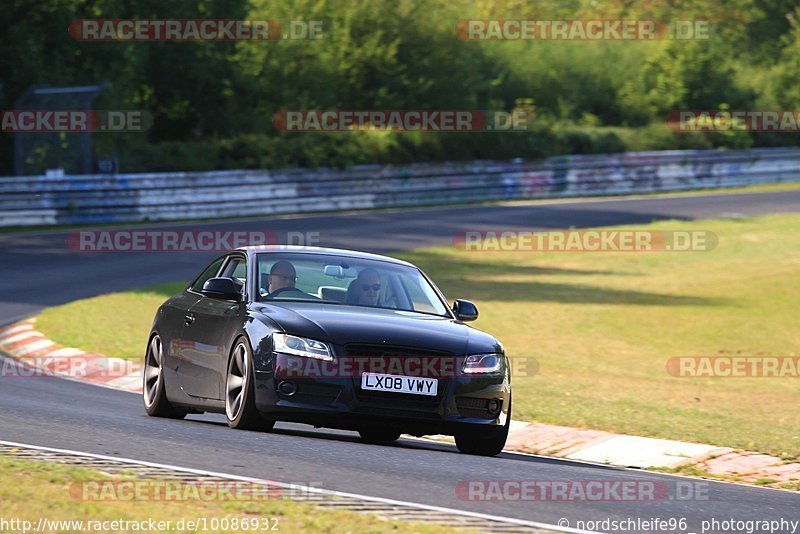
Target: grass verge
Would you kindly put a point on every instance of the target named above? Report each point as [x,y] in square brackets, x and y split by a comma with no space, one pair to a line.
[115,324]
[602,327]
[30,490]
[693,471]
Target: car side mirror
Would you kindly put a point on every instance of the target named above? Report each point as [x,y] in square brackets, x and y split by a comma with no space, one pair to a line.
[221,288]
[465,310]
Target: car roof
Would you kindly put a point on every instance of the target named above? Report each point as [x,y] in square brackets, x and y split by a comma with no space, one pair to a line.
[255,249]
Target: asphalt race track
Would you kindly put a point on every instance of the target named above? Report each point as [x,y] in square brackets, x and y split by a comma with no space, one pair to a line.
[38,270]
[55,413]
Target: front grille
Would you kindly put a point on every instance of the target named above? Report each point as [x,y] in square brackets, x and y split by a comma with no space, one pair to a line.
[359,350]
[389,400]
[474,407]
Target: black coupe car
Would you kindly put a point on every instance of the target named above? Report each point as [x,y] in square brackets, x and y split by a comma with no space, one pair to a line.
[332,338]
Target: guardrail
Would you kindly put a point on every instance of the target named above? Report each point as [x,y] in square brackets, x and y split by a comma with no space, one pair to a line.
[86,199]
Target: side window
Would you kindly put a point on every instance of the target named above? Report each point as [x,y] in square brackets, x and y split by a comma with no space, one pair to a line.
[210,272]
[236,269]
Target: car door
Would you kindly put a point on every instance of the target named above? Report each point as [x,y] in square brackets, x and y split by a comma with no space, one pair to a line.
[173,327]
[213,324]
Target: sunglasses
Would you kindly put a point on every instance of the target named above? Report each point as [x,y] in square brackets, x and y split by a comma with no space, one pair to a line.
[367,287]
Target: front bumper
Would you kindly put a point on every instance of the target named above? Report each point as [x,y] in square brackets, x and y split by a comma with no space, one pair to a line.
[339,402]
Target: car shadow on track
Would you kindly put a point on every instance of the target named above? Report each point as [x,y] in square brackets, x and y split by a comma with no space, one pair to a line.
[405,442]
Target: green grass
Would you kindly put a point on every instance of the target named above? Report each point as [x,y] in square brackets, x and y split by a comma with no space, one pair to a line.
[116,324]
[693,471]
[31,489]
[602,327]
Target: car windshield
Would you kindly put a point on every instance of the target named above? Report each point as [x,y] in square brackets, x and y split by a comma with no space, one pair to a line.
[340,280]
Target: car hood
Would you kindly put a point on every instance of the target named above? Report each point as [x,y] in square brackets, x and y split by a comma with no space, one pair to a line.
[342,325]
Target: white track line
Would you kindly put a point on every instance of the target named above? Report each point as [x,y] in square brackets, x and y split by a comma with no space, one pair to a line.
[521,522]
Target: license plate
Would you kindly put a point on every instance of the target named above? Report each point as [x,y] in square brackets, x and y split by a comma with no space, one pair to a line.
[399,384]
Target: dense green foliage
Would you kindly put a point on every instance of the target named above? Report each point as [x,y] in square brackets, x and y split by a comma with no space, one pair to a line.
[213,102]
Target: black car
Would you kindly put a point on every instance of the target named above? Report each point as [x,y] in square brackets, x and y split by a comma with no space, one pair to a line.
[332,338]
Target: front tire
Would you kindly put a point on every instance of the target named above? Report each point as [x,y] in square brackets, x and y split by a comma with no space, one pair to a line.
[240,404]
[484,442]
[154,391]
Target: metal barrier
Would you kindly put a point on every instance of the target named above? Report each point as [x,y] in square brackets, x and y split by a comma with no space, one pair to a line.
[86,199]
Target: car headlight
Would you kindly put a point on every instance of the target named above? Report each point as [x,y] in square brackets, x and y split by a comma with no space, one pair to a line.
[482,363]
[300,346]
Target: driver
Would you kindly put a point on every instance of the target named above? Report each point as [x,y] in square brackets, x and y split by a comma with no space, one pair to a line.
[282,275]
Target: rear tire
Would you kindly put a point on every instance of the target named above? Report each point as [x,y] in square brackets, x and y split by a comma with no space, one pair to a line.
[154,391]
[240,404]
[484,442]
[379,435]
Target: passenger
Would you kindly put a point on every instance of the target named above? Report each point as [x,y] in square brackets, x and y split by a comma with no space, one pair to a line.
[365,290]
